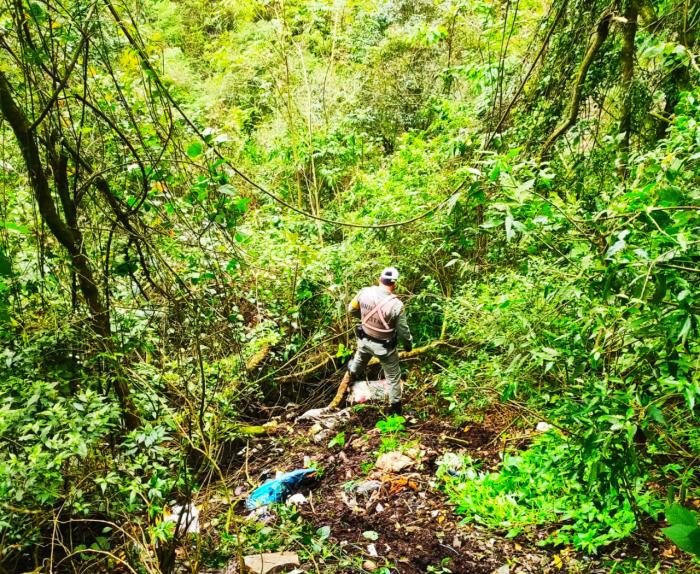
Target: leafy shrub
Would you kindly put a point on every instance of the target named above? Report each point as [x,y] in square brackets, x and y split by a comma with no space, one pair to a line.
[541,487]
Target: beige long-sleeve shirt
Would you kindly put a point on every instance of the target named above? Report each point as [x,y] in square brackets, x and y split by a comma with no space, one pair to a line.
[392,311]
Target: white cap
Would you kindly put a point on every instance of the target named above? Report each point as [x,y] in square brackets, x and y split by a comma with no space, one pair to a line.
[390,274]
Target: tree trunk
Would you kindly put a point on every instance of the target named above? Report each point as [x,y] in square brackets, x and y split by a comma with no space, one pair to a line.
[69,237]
[628,52]
[599,37]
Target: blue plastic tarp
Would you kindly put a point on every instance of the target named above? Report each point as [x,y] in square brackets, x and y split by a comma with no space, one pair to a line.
[277,489]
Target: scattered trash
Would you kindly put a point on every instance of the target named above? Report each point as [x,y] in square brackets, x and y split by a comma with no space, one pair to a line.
[297,499]
[270,562]
[372,550]
[313,414]
[397,484]
[322,436]
[543,426]
[379,507]
[350,502]
[327,417]
[368,486]
[326,420]
[393,461]
[363,391]
[186,518]
[277,489]
[260,515]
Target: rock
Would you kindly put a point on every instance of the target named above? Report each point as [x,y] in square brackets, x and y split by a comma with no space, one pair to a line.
[270,563]
[358,444]
[393,462]
[370,565]
[505,569]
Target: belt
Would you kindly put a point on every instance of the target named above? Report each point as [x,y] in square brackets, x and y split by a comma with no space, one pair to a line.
[388,343]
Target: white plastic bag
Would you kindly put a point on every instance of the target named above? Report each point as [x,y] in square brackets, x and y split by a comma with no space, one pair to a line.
[363,391]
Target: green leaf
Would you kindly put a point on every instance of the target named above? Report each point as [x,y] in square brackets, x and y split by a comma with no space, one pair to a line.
[14,227]
[371,535]
[656,414]
[195,150]
[685,537]
[679,515]
[5,266]
[324,532]
[337,440]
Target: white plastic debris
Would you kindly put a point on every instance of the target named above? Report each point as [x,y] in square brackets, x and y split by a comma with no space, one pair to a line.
[372,550]
[363,391]
[297,499]
[313,414]
[368,486]
[186,518]
[261,515]
[543,426]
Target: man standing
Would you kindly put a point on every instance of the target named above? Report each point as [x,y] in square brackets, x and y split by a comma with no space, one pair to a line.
[383,326]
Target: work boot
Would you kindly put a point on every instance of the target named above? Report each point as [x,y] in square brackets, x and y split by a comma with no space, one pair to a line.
[395,408]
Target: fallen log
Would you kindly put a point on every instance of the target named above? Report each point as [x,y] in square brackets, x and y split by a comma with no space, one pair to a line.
[403,355]
[257,430]
[256,360]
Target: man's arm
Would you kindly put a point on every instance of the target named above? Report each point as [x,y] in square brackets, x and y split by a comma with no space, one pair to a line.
[354,307]
[403,333]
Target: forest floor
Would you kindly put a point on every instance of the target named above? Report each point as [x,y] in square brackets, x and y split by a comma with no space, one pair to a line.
[407,525]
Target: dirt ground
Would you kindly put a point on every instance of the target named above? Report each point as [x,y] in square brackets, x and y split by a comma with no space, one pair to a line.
[408,523]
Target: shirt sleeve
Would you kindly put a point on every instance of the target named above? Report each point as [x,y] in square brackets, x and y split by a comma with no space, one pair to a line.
[403,333]
[354,307]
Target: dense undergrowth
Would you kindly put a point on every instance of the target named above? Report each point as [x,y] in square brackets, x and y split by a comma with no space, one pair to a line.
[565,278]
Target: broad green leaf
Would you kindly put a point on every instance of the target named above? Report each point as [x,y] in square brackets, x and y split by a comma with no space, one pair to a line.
[677,514]
[685,537]
[195,150]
